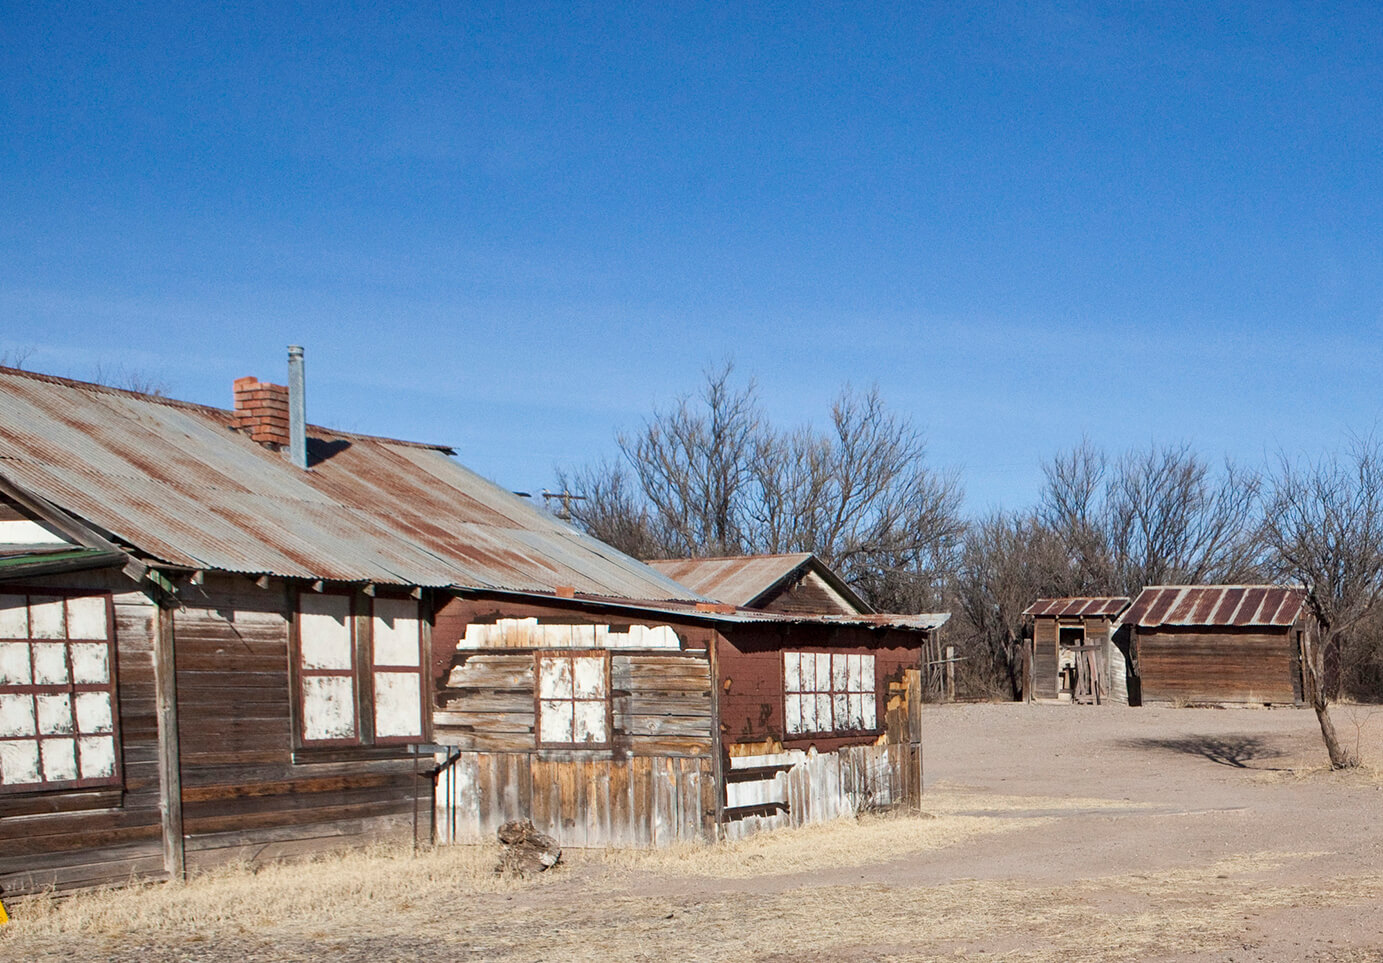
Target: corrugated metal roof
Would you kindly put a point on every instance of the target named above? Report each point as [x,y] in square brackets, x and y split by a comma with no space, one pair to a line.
[1107,606]
[727,614]
[1237,605]
[178,483]
[744,579]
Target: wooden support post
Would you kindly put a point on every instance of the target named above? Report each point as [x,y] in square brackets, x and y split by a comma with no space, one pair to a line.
[169,764]
[717,744]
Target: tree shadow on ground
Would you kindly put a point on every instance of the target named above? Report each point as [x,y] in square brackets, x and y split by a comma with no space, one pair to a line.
[1235,751]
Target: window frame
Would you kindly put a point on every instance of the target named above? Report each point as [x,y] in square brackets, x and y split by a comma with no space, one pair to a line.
[538,700]
[872,693]
[362,673]
[72,688]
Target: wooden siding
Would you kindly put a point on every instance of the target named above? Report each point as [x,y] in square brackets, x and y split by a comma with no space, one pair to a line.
[1217,664]
[580,798]
[79,838]
[752,685]
[794,788]
[1045,683]
[809,596]
[246,792]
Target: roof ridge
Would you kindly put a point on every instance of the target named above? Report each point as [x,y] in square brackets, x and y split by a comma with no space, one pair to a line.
[224,413]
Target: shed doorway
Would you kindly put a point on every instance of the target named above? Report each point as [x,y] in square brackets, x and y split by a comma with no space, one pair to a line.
[1080,667]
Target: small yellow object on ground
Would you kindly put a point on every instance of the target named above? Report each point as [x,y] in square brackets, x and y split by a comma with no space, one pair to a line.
[4,917]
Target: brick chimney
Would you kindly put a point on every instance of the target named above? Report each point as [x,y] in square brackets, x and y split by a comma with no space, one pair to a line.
[262,410]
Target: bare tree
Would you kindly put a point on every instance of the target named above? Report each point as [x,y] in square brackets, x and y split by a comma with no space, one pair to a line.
[1155,516]
[15,357]
[711,476]
[130,379]
[1009,561]
[1324,524]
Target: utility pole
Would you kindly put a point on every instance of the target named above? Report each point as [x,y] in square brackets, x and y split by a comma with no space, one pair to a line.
[566,498]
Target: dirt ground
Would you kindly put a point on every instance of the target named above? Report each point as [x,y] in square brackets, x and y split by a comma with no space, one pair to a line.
[1049,832]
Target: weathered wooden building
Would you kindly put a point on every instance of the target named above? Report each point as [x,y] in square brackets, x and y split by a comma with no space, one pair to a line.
[1218,643]
[798,583]
[215,627]
[1073,655]
[229,634]
[623,722]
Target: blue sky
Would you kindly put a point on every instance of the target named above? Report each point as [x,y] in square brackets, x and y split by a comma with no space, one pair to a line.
[518,228]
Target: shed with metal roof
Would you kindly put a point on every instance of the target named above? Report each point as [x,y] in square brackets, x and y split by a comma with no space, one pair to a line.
[1219,643]
[1072,655]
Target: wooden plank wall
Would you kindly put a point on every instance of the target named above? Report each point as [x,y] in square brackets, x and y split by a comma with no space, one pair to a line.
[246,793]
[94,837]
[661,703]
[806,787]
[579,798]
[1045,684]
[1201,664]
[810,596]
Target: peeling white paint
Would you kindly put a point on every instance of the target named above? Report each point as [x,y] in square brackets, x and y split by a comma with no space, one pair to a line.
[19,763]
[527,633]
[328,707]
[397,632]
[86,617]
[398,704]
[324,631]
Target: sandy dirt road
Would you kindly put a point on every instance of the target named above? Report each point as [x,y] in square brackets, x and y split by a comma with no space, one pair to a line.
[1050,832]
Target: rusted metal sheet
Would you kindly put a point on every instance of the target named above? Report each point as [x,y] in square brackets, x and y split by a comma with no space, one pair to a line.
[178,483]
[754,581]
[1229,605]
[1107,606]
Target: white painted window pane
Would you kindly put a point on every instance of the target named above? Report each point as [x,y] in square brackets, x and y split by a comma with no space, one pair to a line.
[59,759]
[588,722]
[808,671]
[50,663]
[86,617]
[93,712]
[823,672]
[55,715]
[840,672]
[856,720]
[14,617]
[324,628]
[809,713]
[398,704]
[17,715]
[19,763]
[554,678]
[396,632]
[823,712]
[840,709]
[328,707]
[555,721]
[867,673]
[90,663]
[853,673]
[14,663]
[792,671]
[870,719]
[793,708]
[97,756]
[46,618]
[588,677]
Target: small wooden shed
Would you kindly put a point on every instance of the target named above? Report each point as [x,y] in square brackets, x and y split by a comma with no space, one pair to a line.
[1218,643]
[1072,655]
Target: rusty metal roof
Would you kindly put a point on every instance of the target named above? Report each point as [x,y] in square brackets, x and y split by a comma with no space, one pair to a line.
[176,482]
[1106,606]
[727,614]
[1236,605]
[745,579]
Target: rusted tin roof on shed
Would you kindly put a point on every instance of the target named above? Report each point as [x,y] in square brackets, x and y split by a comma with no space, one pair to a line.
[1106,606]
[1236,605]
[179,484]
[746,579]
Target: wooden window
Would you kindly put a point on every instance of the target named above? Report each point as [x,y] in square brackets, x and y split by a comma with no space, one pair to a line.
[573,699]
[396,633]
[58,717]
[828,692]
[344,702]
